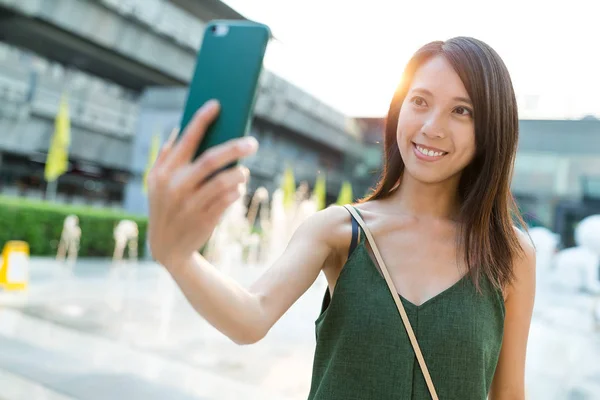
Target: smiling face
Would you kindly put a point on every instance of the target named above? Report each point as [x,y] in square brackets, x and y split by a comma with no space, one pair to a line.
[431,108]
[436,130]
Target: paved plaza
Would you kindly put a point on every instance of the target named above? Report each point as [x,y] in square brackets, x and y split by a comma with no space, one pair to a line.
[96,332]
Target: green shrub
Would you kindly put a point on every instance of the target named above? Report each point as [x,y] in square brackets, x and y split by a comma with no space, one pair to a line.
[40,223]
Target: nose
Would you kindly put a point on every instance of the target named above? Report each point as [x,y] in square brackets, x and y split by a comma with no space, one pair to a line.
[435,126]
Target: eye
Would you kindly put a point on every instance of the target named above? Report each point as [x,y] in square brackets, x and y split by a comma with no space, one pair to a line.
[460,110]
[418,101]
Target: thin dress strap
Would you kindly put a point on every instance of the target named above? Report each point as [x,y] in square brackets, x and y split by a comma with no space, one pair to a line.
[399,305]
[354,241]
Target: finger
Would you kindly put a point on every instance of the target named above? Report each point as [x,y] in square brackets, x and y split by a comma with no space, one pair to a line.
[172,136]
[194,132]
[218,157]
[212,190]
[167,146]
[246,172]
[217,208]
[215,191]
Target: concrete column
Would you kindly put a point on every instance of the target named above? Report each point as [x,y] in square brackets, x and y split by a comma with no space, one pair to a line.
[160,112]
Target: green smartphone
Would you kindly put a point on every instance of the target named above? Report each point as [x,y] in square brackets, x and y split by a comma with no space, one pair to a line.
[227,69]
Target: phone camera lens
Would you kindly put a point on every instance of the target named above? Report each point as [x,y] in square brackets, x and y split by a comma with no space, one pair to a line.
[219,30]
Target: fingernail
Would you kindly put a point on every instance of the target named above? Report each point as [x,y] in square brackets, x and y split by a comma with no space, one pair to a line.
[173,136]
[246,172]
[211,104]
[250,143]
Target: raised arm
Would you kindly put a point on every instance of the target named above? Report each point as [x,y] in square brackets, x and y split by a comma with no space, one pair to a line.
[246,315]
[186,203]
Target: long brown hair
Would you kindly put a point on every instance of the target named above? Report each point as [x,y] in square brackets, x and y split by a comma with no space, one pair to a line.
[487,237]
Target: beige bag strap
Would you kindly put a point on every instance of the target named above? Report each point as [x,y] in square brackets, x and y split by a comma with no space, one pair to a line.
[405,320]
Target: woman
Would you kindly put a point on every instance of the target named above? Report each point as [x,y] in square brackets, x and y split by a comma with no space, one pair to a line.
[441,218]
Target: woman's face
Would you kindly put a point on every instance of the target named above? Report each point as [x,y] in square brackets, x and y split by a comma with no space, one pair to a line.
[436,133]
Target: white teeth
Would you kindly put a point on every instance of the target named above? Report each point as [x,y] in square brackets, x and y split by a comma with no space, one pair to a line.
[430,153]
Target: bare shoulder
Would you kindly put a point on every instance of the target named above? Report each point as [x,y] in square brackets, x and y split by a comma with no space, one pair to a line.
[329,225]
[527,258]
[328,217]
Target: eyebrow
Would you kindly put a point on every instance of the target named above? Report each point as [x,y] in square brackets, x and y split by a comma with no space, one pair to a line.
[428,93]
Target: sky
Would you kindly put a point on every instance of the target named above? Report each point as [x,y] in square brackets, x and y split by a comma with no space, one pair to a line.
[350,54]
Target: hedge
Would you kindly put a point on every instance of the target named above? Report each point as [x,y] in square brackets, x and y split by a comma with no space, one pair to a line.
[40,223]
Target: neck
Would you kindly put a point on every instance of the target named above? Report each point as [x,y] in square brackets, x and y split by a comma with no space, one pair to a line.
[439,200]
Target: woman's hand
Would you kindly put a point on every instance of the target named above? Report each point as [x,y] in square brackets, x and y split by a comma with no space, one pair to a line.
[185,205]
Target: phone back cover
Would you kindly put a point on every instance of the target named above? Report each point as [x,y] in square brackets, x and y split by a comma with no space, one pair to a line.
[228,70]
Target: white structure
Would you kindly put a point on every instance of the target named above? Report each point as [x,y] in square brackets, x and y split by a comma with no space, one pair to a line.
[578,267]
[258,243]
[69,239]
[545,242]
[587,233]
[278,235]
[233,241]
[126,235]
[226,245]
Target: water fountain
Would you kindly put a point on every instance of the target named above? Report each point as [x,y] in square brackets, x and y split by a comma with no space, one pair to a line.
[260,200]
[236,242]
[278,230]
[126,235]
[546,243]
[257,241]
[303,208]
[226,245]
[68,246]
[578,267]
[587,233]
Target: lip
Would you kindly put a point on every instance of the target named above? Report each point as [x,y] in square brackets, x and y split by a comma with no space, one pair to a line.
[424,157]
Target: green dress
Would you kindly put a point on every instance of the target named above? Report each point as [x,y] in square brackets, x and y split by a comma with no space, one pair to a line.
[363,351]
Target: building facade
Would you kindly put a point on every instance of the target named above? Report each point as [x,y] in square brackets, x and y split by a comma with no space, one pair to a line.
[125,65]
[557,172]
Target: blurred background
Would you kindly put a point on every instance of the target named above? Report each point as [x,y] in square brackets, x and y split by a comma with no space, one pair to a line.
[89,89]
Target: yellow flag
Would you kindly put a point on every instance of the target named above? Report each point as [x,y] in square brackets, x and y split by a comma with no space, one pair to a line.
[319,192]
[289,187]
[57,161]
[152,155]
[345,196]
